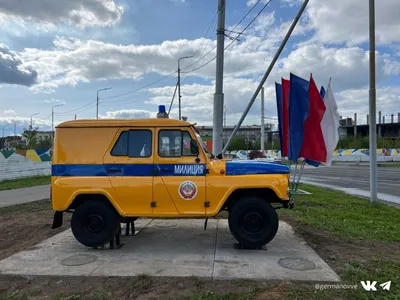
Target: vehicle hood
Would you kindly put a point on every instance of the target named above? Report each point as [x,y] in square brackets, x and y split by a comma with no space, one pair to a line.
[251,167]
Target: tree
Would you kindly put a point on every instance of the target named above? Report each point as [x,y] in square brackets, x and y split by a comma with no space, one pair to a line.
[46,143]
[277,143]
[238,143]
[31,136]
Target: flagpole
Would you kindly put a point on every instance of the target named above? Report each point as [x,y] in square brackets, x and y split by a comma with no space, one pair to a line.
[372,107]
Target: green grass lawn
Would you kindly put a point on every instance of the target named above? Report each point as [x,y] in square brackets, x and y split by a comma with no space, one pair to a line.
[24,182]
[389,164]
[345,216]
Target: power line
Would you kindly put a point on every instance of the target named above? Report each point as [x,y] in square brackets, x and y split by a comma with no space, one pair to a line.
[169,75]
[233,40]
[237,24]
[80,109]
[129,100]
[205,37]
[123,94]
[141,88]
[251,9]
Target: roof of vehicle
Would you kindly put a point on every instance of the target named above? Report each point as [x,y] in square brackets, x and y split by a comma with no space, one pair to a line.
[156,122]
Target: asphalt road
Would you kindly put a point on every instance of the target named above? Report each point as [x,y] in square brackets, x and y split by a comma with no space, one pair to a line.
[24,195]
[353,176]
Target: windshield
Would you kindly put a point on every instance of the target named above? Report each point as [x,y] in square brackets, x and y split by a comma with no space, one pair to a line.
[203,145]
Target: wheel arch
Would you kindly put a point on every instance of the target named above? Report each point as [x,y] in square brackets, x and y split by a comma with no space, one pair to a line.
[82,197]
[265,193]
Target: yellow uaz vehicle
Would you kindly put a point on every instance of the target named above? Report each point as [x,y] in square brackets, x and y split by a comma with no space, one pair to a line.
[106,171]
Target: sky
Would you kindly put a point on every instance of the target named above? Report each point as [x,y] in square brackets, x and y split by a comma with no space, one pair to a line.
[62,52]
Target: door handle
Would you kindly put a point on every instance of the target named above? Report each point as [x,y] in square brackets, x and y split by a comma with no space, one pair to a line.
[112,171]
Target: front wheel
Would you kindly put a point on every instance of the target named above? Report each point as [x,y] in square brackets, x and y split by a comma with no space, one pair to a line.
[253,222]
[94,223]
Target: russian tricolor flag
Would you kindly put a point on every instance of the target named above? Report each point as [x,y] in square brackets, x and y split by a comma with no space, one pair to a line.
[308,120]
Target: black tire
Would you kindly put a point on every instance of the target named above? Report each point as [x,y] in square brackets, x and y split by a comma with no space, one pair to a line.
[94,223]
[253,222]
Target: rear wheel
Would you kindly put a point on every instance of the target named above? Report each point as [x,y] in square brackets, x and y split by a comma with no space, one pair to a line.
[94,223]
[253,222]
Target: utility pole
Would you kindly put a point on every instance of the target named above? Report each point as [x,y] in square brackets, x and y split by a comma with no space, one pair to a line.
[219,95]
[52,118]
[3,139]
[75,117]
[262,121]
[372,106]
[179,85]
[225,111]
[15,135]
[31,128]
[97,102]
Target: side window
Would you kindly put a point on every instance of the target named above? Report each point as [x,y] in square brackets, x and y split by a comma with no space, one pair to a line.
[169,143]
[140,143]
[174,143]
[121,146]
[133,143]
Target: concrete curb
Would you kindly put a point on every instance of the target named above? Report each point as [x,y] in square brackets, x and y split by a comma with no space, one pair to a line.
[383,198]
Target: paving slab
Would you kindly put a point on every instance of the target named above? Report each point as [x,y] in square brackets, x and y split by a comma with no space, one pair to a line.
[176,248]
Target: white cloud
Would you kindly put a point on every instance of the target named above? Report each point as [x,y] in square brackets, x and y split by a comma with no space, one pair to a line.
[357,101]
[13,70]
[347,21]
[81,13]
[349,67]
[252,2]
[128,114]
[22,123]
[9,112]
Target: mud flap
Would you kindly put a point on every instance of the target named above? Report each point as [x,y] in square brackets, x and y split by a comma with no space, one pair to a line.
[57,219]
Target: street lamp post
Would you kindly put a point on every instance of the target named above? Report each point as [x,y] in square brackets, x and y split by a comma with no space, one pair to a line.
[52,118]
[372,107]
[97,101]
[31,127]
[4,138]
[179,83]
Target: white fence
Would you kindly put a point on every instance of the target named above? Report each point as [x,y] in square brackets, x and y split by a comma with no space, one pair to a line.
[18,166]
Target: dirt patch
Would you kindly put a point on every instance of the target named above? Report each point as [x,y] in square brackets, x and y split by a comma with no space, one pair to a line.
[337,252]
[141,287]
[23,226]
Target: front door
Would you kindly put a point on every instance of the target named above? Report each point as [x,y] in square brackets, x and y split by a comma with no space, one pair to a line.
[129,164]
[182,172]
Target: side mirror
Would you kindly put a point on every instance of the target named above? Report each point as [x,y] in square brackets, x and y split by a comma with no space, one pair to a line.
[194,147]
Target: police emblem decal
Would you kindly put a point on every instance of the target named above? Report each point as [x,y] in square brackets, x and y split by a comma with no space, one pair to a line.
[187,190]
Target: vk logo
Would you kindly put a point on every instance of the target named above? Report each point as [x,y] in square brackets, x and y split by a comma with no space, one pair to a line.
[369,286]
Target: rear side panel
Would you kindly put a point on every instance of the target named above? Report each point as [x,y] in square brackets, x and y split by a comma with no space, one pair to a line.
[77,164]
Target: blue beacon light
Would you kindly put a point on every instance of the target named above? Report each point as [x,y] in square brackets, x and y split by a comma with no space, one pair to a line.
[162,112]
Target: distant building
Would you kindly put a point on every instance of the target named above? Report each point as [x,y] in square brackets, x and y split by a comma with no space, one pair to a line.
[43,135]
[252,132]
[349,128]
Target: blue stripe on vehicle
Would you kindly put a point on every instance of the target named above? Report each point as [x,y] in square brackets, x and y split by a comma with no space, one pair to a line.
[128,170]
[249,167]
